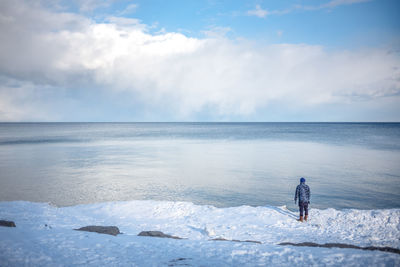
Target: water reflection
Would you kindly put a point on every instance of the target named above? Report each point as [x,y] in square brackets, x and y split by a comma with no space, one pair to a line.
[219,172]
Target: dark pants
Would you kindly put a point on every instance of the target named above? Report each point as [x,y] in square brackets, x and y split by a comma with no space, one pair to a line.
[303,206]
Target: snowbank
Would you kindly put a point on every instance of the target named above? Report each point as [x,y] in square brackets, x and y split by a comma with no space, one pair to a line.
[44,235]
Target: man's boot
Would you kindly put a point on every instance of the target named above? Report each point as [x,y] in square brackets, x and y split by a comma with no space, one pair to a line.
[301,219]
[306,217]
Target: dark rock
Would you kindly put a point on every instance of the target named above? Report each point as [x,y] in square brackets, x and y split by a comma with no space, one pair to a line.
[108,230]
[340,245]
[235,240]
[7,223]
[179,262]
[157,234]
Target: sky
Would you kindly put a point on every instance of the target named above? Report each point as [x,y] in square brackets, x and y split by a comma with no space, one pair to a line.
[200,60]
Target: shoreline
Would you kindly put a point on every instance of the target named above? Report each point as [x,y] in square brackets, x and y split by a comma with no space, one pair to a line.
[44,235]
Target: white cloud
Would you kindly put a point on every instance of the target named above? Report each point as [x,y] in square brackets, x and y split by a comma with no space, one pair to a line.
[181,74]
[262,13]
[335,3]
[90,5]
[258,12]
[217,32]
[129,9]
[129,23]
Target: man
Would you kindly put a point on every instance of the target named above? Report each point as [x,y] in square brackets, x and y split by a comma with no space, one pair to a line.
[303,194]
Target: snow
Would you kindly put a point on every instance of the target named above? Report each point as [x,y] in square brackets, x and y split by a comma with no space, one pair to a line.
[44,235]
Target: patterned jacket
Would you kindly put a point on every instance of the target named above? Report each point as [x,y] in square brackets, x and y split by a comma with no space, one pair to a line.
[302,193]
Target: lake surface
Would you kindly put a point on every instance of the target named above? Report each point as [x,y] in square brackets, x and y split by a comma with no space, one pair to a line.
[347,165]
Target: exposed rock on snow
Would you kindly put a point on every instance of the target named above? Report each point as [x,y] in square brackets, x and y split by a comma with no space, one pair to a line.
[33,244]
[108,230]
[157,234]
[7,223]
[340,245]
[235,240]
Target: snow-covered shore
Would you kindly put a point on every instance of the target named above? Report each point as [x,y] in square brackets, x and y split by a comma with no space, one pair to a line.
[44,235]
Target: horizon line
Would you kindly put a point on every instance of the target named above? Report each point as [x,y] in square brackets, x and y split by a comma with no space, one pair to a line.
[199,121]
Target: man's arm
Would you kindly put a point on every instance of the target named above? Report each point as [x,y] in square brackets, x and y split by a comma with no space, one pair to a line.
[308,194]
[296,194]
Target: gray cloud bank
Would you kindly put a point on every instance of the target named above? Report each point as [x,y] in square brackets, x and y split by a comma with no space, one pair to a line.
[47,54]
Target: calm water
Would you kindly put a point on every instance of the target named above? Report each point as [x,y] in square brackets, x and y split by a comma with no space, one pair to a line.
[223,164]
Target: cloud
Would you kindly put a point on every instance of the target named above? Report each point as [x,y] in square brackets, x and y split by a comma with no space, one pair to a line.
[335,3]
[129,9]
[171,73]
[217,32]
[90,5]
[19,101]
[262,13]
[258,12]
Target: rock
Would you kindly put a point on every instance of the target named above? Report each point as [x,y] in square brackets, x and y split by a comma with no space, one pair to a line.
[157,234]
[340,245]
[108,230]
[235,240]
[7,223]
